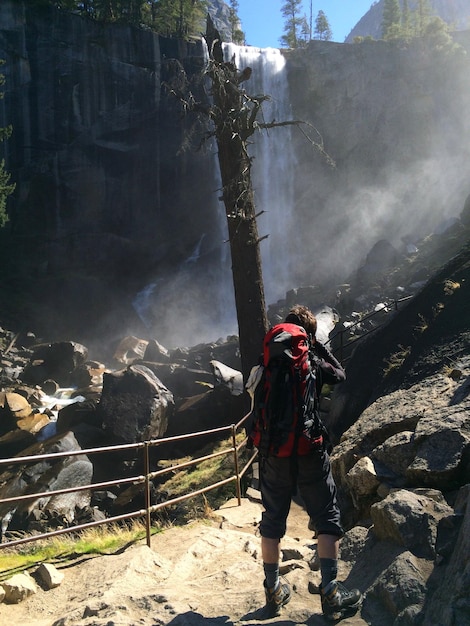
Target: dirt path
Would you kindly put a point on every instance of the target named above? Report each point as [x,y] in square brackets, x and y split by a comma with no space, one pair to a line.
[203,573]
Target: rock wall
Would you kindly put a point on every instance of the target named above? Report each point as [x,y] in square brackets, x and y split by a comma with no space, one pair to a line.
[105,192]
[455,12]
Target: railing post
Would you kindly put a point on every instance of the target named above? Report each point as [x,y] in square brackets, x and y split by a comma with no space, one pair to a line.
[237,469]
[147,492]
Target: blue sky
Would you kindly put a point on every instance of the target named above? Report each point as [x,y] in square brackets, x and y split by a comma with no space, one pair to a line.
[263,23]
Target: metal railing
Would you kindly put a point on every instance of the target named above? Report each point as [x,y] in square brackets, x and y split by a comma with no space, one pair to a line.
[144,479]
[339,336]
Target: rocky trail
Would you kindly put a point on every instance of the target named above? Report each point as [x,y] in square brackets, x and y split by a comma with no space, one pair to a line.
[208,572]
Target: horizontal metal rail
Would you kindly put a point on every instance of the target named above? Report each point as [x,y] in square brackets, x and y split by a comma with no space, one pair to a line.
[144,479]
[392,305]
[117,447]
[56,492]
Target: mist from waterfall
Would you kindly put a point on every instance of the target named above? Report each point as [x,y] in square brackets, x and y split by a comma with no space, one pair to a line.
[316,223]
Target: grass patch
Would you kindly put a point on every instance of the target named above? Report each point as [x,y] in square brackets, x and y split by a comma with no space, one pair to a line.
[200,475]
[99,540]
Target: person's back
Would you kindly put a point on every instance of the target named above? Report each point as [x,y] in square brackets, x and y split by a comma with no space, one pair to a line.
[306,466]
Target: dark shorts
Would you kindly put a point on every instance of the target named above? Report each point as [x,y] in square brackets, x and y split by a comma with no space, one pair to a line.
[315,484]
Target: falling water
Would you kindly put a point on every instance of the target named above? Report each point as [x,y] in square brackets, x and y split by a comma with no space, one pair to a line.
[162,301]
[273,164]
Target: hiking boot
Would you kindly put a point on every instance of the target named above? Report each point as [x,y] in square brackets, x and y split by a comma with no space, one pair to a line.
[338,602]
[275,600]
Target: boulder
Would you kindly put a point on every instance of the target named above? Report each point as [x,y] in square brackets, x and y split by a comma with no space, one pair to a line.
[14,441]
[46,475]
[134,405]
[381,257]
[410,520]
[401,585]
[181,380]
[443,446]
[419,436]
[130,349]
[57,361]
[18,406]
[397,452]
[18,588]
[49,575]
[227,376]
[362,478]
[34,423]
[448,600]
[12,406]
[156,352]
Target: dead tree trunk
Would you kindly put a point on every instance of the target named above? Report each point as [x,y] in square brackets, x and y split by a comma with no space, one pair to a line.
[234,116]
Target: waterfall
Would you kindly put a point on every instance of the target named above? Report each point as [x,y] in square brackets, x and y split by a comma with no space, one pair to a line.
[273,163]
[202,291]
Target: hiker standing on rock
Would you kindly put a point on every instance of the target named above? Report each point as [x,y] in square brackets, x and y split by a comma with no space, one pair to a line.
[293,448]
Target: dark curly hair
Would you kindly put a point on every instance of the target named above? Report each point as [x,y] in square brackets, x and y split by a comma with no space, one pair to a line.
[303,316]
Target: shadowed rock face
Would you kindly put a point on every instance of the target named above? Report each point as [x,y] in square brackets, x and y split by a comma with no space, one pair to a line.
[104,198]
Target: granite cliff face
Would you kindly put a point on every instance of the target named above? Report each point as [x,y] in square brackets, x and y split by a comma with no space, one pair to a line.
[455,12]
[103,194]
[110,209]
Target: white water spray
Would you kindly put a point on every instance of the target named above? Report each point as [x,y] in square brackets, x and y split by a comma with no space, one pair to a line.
[273,164]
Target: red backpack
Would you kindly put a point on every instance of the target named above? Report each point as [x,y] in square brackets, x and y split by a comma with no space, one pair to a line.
[284,404]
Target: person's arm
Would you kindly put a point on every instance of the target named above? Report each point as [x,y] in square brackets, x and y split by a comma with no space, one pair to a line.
[331,369]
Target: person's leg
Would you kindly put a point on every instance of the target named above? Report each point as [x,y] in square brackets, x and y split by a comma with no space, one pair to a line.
[318,491]
[271,554]
[328,548]
[276,492]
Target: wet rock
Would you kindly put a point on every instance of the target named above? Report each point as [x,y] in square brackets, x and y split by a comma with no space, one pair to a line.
[227,376]
[130,349]
[45,475]
[12,405]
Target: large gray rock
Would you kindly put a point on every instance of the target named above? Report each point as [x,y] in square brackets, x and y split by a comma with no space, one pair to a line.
[400,586]
[134,405]
[448,601]
[416,437]
[443,442]
[43,476]
[410,520]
